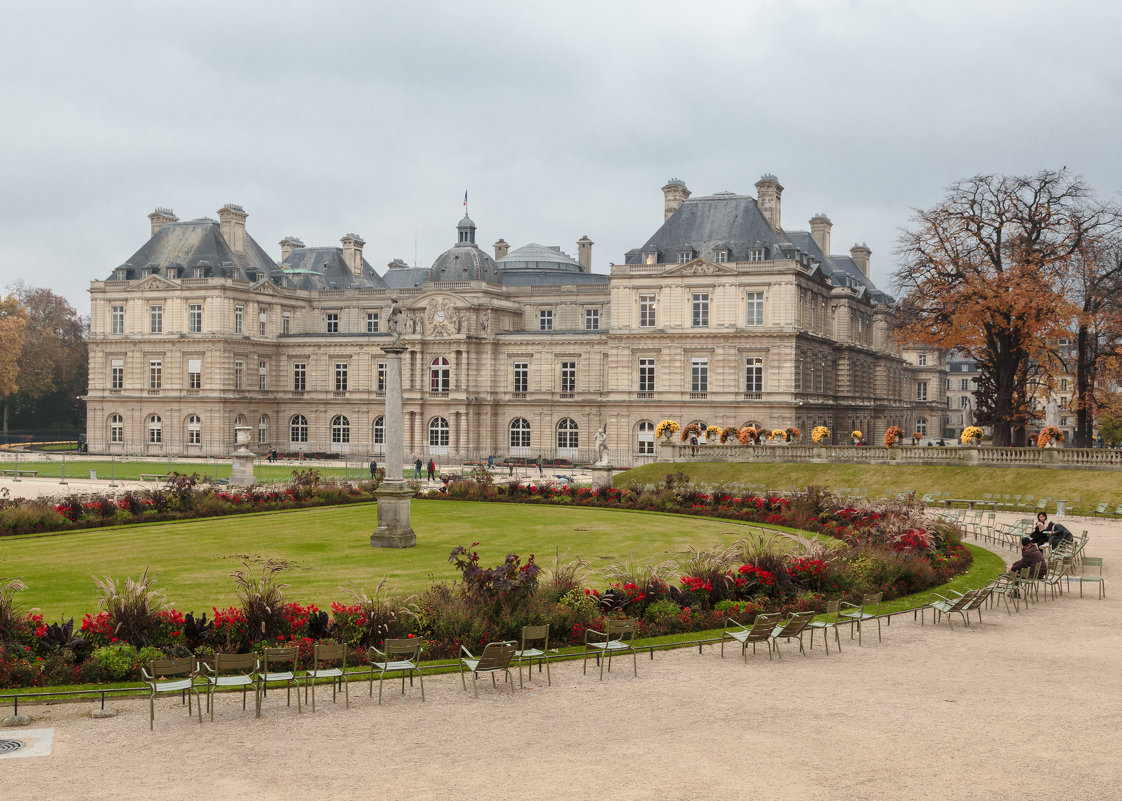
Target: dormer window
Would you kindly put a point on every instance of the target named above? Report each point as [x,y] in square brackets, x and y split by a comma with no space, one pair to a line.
[720,255]
[651,257]
[198,272]
[756,254]
[684,256]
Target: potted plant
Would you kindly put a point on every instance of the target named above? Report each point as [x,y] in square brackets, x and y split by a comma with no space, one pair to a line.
[712,434]
[1049,437]
[692,430]
[819,435]
[892,436]
[666,429]
[749,435]
[856,437]
[792,433]
[778,434]
[916,437]
[972,435]
[727,433]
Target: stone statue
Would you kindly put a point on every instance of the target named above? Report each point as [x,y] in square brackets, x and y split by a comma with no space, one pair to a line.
[409,324]
[1052,413]
[601,447]
[485,320]
[393,321]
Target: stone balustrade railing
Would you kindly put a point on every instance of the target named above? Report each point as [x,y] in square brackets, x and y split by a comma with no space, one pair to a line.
[1063,458]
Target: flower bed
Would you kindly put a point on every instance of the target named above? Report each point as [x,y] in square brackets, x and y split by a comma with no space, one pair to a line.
[888,548]
[181,498]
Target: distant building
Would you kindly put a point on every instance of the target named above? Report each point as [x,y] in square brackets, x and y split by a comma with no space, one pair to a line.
[722,316]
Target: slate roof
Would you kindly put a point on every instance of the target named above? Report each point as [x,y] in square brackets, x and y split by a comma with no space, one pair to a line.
[707,224]
[179,247]
[534,257]
[406,277]
[324,268]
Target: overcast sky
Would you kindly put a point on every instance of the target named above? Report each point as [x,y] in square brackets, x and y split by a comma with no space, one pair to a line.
[559,120]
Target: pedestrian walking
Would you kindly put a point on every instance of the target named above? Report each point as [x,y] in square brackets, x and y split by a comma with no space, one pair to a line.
[373,469]
[540,473]
[417,468]
[491,462]
[432,470]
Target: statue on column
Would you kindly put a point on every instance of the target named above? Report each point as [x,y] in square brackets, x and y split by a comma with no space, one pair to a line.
[601,447]
[393,321]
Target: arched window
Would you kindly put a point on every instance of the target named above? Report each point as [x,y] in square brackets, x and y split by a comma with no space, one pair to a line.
[298,428]
[155,430]
[340,430]
[519,436]
[567,437]
[380,431]
[263,429]
[116,428]
[440,375]
[921,425]
[194,430]
[240,421]
[646,438]
[438,435]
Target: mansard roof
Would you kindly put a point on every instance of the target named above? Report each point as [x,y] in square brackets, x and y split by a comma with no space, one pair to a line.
[179,247]
[325,268]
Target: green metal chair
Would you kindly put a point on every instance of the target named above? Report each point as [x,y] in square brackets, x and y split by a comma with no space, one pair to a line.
[861,614]
[495,658]
[948,606]
[792,628]
[533,635]
[272,660]
[617,638]
[156,677]
[402,656]
[1090,561]
[1100,510]
[232,670]
[825,626]
[759,632]
[324,656]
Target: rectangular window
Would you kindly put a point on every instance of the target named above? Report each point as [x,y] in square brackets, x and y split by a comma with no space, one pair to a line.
[340,376]
[194,374]
[299,376]
[195,318]
[684,256]
[591,319]
[569,377]
[721,256]
[755,308]
[333,322]
[239,315]
[963,402]
[381,376]
[921,390]
[699,375]
[117,316]
[753,374]
[262,376]
[923,360]
[965,385]
[263,323]
[521,377]
[155,373]
[156,319]
[239,374]
[116,430]
[545,320]
[700,309]
[117,374]
[756,254]
[646,375]
[1063,383]
[286,323]
[372,322]
[646,311]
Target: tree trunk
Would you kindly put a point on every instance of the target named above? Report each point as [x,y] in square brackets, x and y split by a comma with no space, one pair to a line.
[1084,390]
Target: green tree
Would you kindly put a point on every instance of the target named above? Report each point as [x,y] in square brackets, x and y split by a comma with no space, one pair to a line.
[13,333]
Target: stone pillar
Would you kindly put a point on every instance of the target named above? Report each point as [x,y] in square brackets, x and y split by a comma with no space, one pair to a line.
[241,473]
[394,528]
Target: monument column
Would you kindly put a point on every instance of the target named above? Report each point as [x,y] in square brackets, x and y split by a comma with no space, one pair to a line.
[394,528]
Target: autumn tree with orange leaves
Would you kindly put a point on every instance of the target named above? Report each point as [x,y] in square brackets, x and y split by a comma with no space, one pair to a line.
[983,272]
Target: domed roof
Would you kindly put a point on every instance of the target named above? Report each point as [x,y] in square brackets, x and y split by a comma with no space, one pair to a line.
[539,257]
[464,261]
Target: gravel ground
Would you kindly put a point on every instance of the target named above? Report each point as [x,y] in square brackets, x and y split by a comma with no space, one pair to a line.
[1018,707]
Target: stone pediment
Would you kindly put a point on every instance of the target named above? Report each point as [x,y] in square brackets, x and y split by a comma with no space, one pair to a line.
[266,287]
[700,266]
[155,282]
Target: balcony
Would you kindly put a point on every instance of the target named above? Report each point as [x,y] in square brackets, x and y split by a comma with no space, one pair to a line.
[567,395]
[518,396]
[339,393]
[644,396]
[699,396]
[115,391]
[192,392]
[438,393]
[297,393]
[153,392]
[752,396]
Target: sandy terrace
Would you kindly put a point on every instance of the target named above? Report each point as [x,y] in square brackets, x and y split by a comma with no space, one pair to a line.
[1019,707]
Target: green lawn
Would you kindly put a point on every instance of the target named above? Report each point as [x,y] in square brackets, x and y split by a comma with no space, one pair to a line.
[1091,486]
[326,548]
[131,470]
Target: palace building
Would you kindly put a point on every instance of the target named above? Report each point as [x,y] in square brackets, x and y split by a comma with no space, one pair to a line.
[721,317]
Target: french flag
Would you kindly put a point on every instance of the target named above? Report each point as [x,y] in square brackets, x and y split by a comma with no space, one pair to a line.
[465,200]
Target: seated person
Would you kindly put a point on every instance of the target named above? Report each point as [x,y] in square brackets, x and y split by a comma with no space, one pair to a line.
[1030,557]
[1049,532]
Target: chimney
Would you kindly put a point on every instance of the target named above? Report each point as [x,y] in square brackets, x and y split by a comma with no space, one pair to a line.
[161,217]
[584,253]
[352,252]
[676,194]
[232,217]
[768,192]
[397,264]
[820,226]
[501,249]
[289,244]
[860,255]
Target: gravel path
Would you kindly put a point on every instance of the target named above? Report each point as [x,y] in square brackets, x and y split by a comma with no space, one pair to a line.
[1019,707]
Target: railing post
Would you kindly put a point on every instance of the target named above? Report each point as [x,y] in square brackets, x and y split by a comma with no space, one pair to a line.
[15,475]
[63,479]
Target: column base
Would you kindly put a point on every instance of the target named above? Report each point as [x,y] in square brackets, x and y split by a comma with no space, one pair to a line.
[394,529]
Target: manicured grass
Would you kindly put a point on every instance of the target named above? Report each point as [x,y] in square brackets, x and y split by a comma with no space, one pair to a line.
[328,548]
[218,468]
[1091,486]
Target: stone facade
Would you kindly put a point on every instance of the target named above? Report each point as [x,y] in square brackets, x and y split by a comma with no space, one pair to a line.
[723,317]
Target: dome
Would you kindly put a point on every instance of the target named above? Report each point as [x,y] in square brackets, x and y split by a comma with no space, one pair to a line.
[464,261]
[539,257]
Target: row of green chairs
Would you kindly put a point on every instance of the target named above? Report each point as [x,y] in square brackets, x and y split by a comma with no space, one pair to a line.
[768,629]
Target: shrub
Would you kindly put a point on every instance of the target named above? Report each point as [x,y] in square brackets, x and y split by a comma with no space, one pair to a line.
[261,597]
[122,661]
[9,607]
[131,607]
[503,585]
[369,620]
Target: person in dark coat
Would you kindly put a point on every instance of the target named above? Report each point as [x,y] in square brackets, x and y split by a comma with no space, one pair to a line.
[373,469]
[432,470]
[1049,532]
[418,469]
[1030,557]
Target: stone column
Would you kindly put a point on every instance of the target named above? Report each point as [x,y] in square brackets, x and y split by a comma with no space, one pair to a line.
[394,529]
